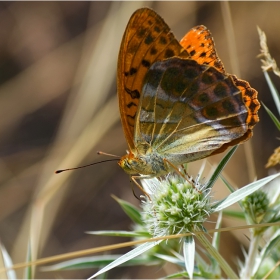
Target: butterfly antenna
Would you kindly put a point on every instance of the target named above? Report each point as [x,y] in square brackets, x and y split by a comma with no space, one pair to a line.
[68,169]
[105,154]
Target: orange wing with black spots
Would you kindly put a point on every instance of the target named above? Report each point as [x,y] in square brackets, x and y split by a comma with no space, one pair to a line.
[200,45]
[147,39]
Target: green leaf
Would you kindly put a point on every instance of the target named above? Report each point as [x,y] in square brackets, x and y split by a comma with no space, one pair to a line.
[228,185]
[189,252]
[7,262]
[28,269]
[234,214]
[270,245]
[97,261]
[204,268]
[220,167]
[242,193]
[178,275]
[128,256]
[273,91]
[131,211]
[182,275]
[215,268]
[272,215]
[215,254]
[82,263]
[200,261]
[170,259]
[216,235]
[231,188]
[272,116]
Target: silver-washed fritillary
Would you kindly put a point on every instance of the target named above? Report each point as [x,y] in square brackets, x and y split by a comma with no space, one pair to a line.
[177,103]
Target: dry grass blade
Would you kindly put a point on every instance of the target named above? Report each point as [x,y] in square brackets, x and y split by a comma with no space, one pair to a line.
[268,62]
[40,217]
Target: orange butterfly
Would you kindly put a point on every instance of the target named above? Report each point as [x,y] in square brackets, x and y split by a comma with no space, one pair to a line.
[177,103]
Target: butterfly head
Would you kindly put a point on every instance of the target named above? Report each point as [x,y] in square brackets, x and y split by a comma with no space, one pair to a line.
[131,163]
[151,164]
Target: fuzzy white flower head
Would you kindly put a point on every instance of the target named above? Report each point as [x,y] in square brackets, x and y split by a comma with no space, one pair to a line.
[175,206]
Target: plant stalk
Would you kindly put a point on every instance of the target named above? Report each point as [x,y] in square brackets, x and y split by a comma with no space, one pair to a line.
[252,256]
[215,254]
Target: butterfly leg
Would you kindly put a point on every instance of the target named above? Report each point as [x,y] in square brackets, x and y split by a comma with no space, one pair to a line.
[187,178]
[133,178]
[132,188]
[184,169]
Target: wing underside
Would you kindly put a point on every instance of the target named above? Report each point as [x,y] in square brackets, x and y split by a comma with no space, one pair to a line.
[189,109]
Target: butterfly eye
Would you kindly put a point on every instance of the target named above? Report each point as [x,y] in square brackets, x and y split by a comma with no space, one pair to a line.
[125,164]
[133,162]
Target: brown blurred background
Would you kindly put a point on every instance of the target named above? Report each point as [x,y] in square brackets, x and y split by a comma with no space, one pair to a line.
[58,106]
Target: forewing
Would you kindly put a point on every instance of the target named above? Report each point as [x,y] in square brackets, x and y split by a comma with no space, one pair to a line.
[147,39]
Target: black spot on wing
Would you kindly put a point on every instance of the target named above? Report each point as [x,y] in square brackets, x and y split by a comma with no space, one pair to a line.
[162,40]
[131,72]
[192,53]
[229,106]
[207,77]
[157,29]
[131,104]
[169,53]
[211,112]
[153,51]
[141,32]
[203,98]
[133,93]
[149,39]
[131,120]
[146,63]
[220,90]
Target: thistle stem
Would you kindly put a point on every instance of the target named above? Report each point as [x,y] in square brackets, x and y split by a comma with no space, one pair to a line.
[252,256]
[215,254]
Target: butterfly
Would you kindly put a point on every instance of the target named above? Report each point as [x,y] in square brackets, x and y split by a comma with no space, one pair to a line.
[177,103]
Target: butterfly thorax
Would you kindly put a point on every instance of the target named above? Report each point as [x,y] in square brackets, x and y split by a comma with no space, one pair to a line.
[151,164]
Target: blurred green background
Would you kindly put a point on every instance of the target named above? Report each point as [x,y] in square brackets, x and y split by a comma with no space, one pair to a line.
[58,106]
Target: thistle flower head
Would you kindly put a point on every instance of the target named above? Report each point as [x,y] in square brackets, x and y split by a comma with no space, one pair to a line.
[256,205]
[175,206]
